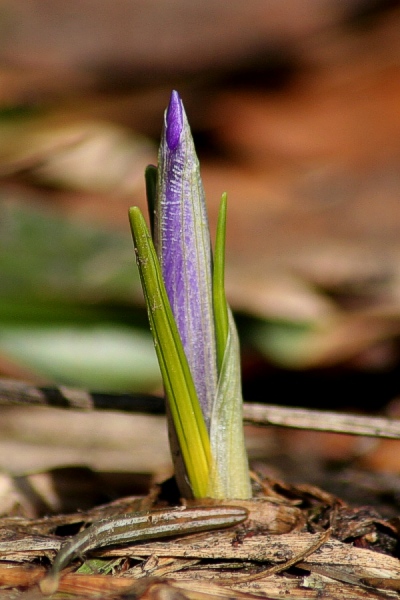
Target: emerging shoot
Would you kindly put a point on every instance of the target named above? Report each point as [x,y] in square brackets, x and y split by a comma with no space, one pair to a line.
[193,329]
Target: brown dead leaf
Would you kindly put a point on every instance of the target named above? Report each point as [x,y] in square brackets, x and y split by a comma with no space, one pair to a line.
[83,155]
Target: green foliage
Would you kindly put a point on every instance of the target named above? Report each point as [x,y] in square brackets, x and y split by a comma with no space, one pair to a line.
[179,388]
[66,309]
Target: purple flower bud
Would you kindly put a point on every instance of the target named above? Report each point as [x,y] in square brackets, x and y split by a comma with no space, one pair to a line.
[183,246]
[174,121]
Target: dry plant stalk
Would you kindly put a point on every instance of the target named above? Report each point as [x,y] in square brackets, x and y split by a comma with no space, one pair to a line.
[19,393]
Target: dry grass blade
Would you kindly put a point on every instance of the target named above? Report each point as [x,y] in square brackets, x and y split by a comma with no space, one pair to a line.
[13,392]
[321,420]
[289,563]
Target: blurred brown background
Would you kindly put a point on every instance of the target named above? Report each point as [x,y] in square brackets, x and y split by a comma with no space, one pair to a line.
[294,106]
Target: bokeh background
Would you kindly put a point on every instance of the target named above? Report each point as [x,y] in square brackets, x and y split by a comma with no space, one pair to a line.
[295,110]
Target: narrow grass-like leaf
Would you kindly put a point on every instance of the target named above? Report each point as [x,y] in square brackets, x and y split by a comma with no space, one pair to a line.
[150,176]
[179,387]
[220,305]
[230,472]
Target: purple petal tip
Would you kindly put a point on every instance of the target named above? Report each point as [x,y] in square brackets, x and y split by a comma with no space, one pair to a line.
[174,121]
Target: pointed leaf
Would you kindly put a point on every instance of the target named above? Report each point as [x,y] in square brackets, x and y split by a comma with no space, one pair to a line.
[220,305]
[184,405]
[150,176]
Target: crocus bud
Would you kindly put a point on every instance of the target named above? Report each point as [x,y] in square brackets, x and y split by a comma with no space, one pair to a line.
[183,246]
[193,328]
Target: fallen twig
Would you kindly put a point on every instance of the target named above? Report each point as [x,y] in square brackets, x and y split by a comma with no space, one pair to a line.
[19,393]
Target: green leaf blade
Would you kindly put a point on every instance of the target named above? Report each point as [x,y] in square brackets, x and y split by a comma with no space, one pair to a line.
[181,394]
[221,319]
[150,176]
[230,472]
